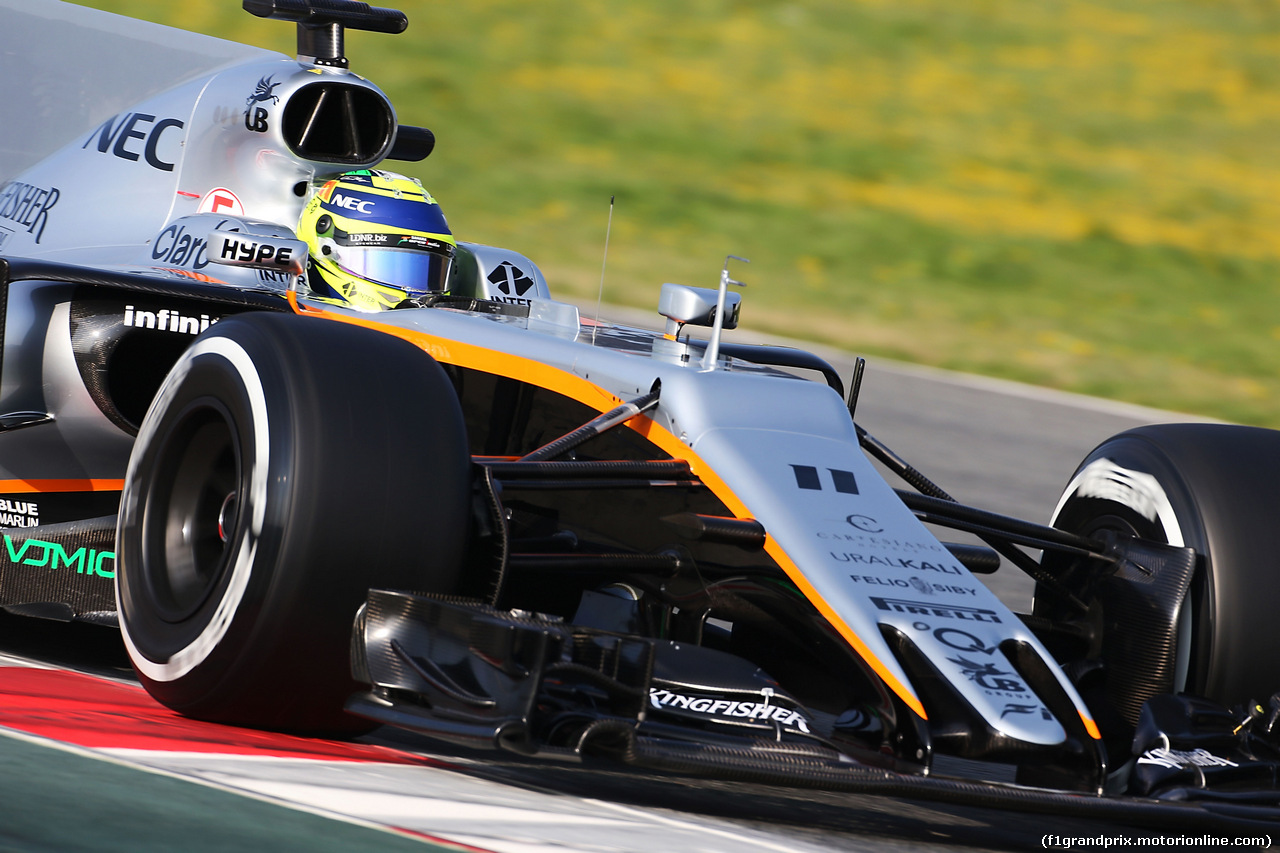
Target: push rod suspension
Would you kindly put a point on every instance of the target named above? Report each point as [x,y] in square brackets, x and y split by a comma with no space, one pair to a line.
[595,426]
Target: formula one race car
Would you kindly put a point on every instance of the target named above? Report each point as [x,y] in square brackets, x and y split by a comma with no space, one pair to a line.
[327,466]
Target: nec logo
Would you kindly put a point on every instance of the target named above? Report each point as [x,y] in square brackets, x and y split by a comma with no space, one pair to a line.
[352,203]
[117,137]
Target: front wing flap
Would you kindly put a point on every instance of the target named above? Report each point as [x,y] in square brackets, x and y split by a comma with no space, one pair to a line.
[466,673]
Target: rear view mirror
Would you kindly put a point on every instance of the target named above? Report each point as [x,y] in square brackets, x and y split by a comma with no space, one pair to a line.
[696,306]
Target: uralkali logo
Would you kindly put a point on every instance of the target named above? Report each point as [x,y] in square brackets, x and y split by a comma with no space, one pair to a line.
[728,709]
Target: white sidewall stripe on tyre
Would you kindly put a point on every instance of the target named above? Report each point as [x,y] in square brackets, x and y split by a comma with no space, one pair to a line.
[188,658]
[1142,493]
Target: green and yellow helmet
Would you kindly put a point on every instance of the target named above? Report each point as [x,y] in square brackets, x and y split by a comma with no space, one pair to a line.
[376,239]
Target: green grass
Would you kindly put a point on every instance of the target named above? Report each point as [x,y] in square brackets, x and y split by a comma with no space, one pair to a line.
[1081,195]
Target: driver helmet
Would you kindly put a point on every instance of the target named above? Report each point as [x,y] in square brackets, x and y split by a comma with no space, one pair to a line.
[375,239]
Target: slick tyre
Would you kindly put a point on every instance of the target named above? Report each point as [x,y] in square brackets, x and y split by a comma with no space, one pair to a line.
[1213,488]
[285,466]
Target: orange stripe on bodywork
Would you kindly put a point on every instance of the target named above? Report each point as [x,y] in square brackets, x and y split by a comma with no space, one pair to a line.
[484,360]
[11,487]
[1090,726]
[592,395]
[774,550]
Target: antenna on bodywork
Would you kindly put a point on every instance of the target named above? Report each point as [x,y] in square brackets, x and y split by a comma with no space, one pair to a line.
[321,24]
[713,346]
[608,229]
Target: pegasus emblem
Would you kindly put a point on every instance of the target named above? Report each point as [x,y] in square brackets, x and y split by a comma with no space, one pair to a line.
[262,93]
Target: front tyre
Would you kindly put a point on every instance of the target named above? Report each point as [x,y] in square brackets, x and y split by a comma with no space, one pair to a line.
[285,466]
[1213,488]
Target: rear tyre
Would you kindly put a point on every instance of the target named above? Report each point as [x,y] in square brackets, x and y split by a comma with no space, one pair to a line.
[285,466]
[1214,488]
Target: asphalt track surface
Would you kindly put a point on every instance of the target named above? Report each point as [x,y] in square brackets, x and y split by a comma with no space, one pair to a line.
[88,762]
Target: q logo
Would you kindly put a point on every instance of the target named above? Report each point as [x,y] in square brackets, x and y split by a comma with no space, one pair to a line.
[961,641]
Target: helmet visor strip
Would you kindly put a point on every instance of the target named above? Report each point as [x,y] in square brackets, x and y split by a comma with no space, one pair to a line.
[411,263]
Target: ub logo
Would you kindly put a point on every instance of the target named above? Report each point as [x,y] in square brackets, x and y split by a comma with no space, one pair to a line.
[255,118]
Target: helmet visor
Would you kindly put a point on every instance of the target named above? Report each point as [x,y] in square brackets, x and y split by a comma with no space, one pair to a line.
[413,270]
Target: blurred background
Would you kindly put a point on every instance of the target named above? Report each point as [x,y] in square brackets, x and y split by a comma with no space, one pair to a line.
[1084,195]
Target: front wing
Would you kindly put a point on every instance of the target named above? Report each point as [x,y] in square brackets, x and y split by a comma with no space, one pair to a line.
[466,673]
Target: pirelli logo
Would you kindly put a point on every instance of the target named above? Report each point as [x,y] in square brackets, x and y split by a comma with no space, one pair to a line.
[941,611]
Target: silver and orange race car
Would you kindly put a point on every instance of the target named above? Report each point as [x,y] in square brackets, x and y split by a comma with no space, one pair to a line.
[477,516]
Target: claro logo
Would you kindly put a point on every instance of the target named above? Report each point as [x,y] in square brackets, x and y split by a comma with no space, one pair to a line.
[175,245]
